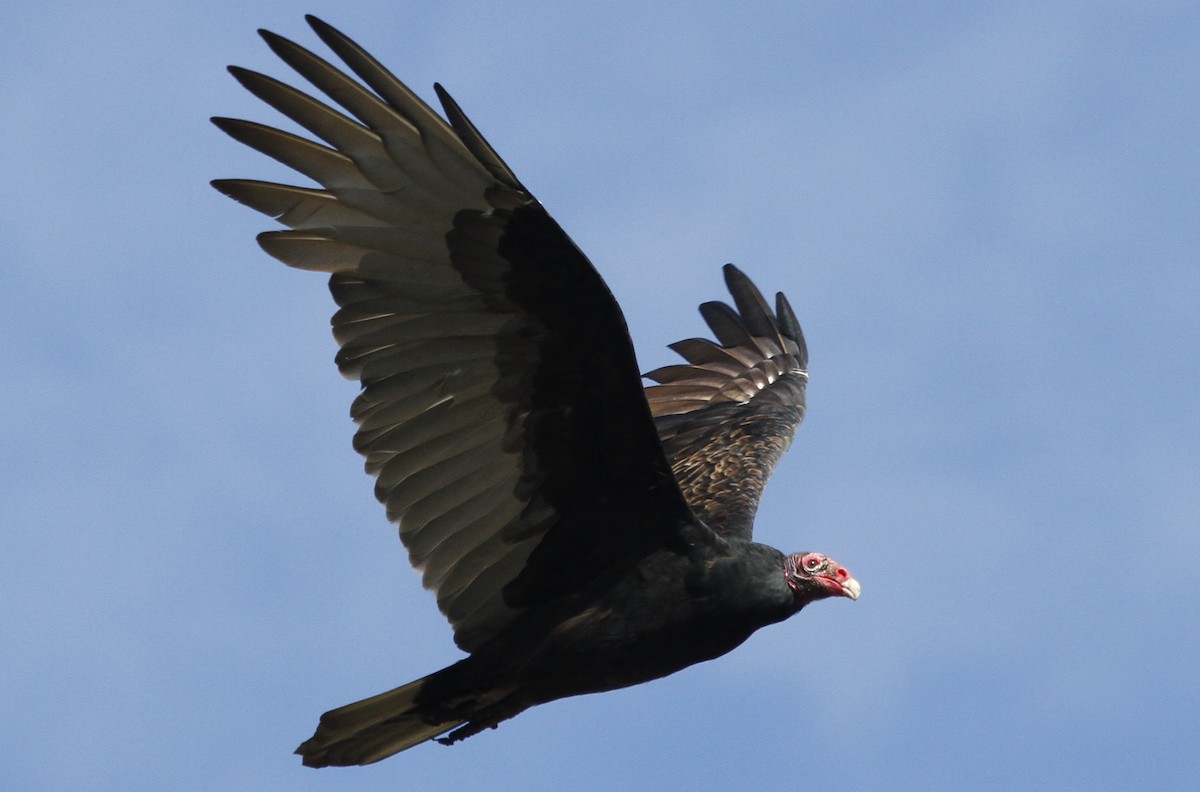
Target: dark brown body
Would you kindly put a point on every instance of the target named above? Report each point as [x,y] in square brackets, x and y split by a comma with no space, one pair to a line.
[674,609]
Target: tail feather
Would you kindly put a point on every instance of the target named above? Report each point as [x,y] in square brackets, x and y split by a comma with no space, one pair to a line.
[372,729]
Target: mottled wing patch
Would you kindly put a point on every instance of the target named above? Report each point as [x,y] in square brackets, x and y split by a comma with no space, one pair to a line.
[727,416]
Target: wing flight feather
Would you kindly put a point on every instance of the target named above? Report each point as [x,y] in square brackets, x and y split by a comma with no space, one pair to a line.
[501,414]
[728,415]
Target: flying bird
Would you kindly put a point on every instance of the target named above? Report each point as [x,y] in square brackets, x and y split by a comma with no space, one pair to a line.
[581,532]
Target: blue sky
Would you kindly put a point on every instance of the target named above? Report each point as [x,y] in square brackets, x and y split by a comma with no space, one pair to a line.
[985,216]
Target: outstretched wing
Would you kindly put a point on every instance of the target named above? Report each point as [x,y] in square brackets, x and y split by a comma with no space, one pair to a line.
[502,412]
[726,417]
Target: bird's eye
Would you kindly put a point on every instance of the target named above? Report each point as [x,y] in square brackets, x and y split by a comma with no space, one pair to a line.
[812,562]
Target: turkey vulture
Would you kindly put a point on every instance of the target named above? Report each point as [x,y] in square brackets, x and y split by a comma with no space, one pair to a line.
[581,533]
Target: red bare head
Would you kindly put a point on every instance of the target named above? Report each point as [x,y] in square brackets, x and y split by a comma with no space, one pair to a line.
[813,576]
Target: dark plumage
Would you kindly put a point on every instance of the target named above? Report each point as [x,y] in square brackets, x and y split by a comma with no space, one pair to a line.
[580,533]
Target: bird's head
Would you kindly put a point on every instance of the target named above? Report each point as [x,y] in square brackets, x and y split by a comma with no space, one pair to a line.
[812,576]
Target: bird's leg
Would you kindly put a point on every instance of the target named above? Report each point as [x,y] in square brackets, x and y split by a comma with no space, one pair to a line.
[488,717]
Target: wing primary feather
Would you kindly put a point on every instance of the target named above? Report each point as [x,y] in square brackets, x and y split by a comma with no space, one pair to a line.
[403,166]
[432,128]
[351,95]
[725,323]
[791,327]
[755,312]
[295,207]
[336,129]
[701,350]
[475,141]
[320,163]
[690,375]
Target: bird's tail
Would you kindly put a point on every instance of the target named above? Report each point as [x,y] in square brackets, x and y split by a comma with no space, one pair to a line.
[375,728]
